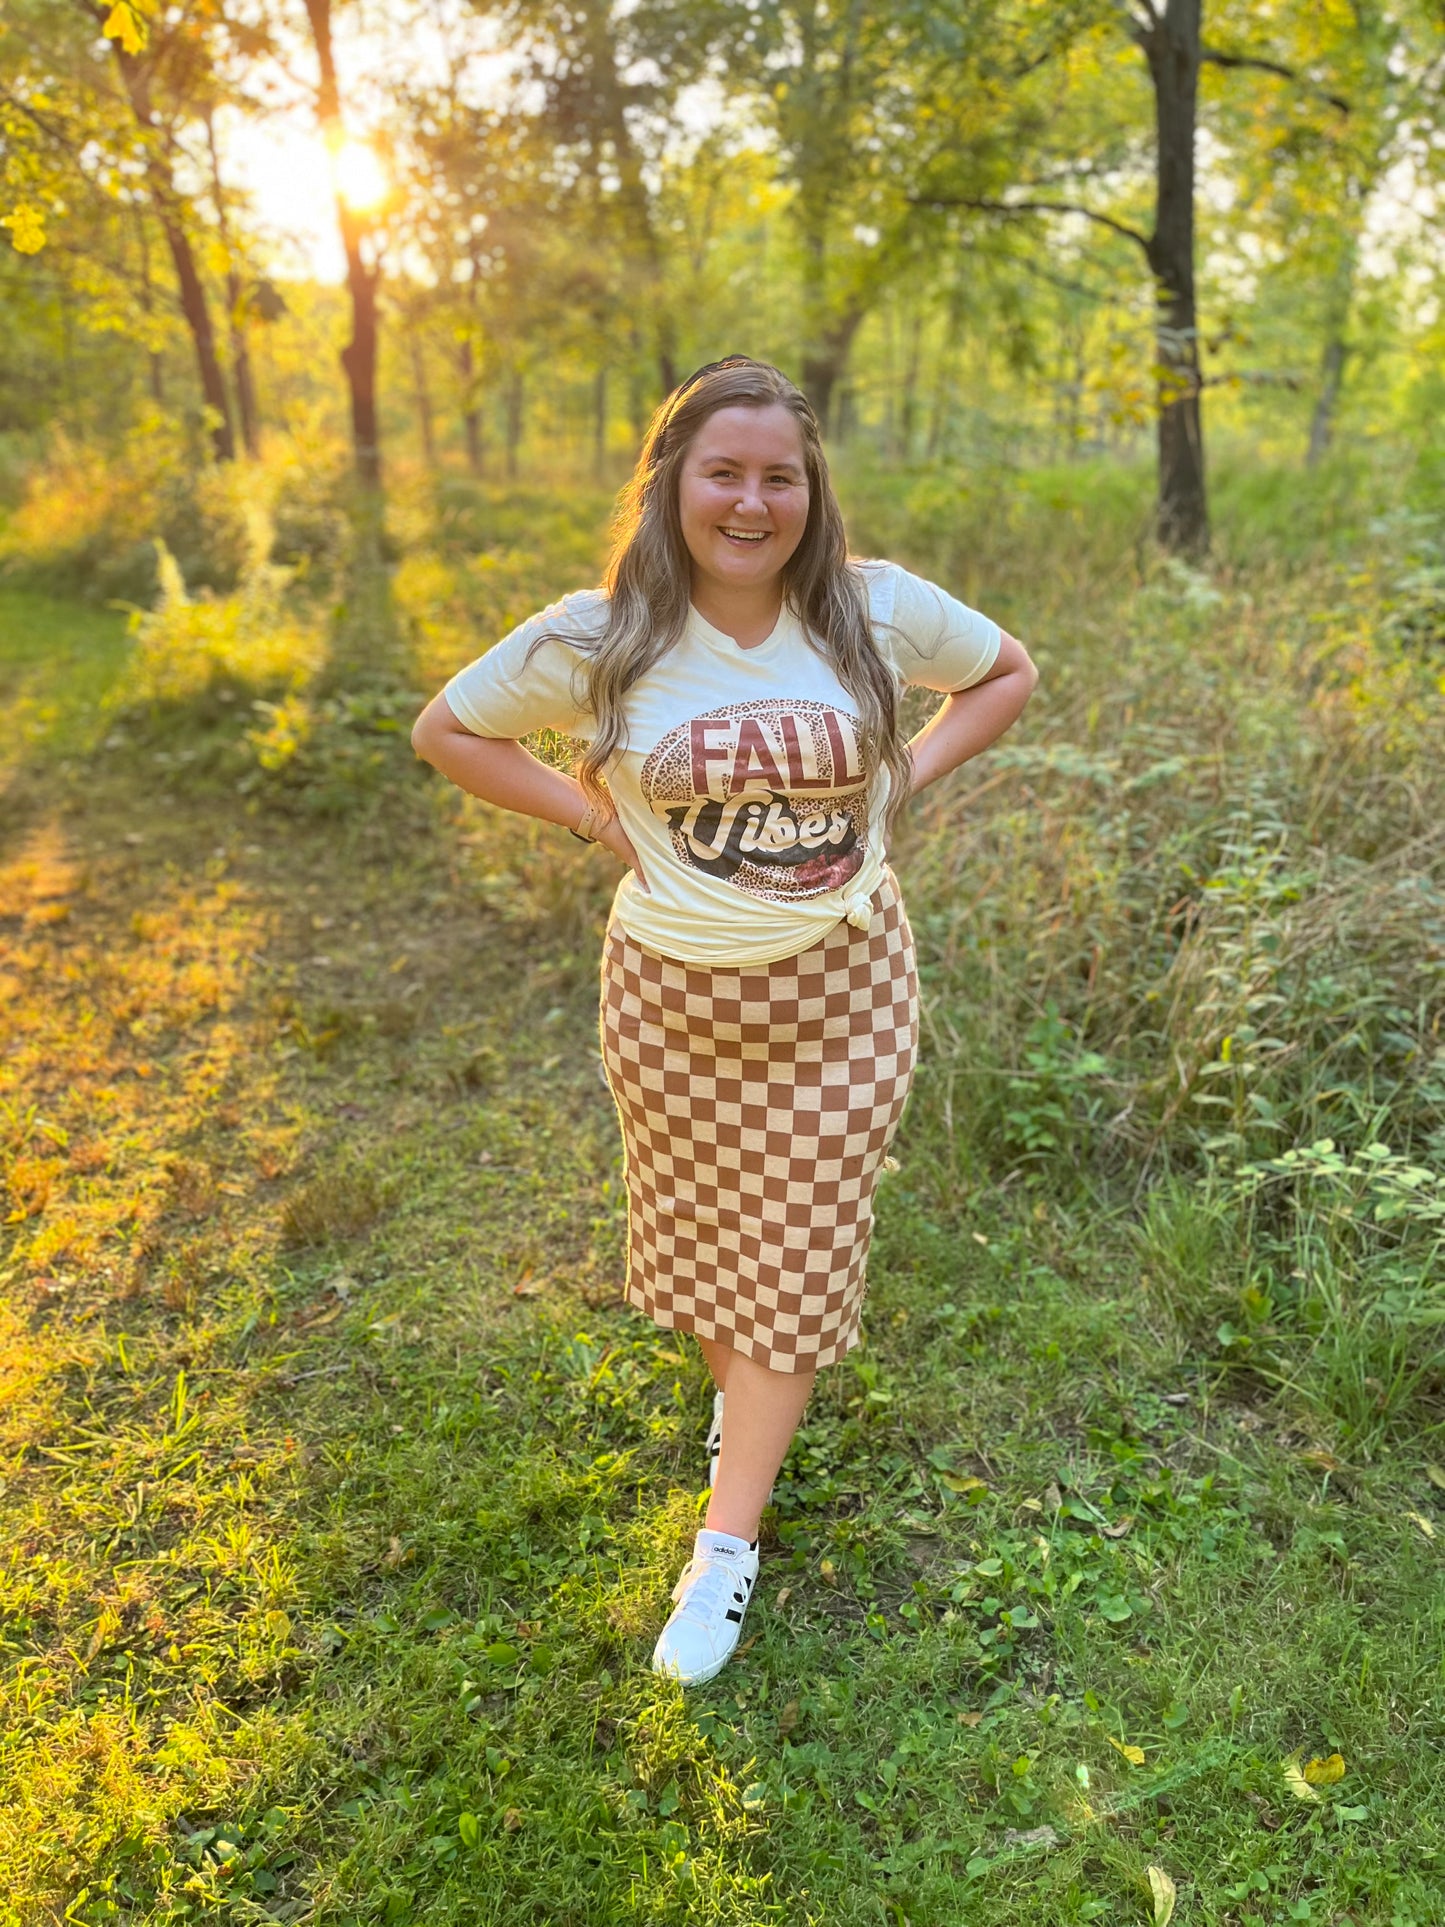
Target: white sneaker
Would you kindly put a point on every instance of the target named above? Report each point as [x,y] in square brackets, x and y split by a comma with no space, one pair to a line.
[712,1595]
[714,1438]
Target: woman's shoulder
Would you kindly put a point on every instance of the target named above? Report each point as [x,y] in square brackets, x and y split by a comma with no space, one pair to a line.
[883,580]
[577,618]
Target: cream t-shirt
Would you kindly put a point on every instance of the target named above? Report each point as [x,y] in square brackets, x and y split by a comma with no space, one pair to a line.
[742,786]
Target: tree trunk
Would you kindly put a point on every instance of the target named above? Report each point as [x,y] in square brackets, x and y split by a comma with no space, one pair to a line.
[147,301]
[824,361]
[240,351]
[1322,421]
[515,401]
[1171,47]
[609,103]
[908,415]
[169,208]
[1332,361]
[198,320]
[599,425]
[417,357]
[358,357]
[471,414]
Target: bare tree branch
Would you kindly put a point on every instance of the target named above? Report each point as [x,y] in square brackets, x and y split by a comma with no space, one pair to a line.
[1032,207]
[1217,57]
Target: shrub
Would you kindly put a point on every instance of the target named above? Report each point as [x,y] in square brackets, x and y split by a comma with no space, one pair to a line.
[88,518]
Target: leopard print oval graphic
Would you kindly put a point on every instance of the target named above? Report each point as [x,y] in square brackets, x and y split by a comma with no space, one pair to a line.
[770,796]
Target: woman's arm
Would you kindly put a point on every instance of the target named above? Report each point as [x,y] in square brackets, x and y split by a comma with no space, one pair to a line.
[500,771]
[971,719]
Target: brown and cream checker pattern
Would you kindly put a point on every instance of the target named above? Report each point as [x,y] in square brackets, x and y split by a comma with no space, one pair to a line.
[757,1106]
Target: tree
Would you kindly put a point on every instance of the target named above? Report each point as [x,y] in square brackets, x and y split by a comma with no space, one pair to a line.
[867,103]
[1169,35]
[171,63]
[363,264]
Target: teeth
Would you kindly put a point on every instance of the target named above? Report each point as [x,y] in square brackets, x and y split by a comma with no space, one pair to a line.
[746,535]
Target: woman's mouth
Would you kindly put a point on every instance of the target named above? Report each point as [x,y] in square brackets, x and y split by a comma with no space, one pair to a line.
[745,538]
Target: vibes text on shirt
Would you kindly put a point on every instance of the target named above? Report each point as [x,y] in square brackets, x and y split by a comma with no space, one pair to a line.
[771,796]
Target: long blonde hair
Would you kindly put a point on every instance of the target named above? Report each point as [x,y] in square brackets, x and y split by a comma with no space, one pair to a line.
[648,577]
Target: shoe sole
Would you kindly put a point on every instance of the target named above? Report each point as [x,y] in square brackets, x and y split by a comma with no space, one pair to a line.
[690,1679]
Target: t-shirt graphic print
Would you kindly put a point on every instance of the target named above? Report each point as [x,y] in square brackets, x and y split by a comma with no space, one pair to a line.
[771,796]
[740,781]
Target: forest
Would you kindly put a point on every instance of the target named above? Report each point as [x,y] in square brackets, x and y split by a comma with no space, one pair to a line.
[340,1489]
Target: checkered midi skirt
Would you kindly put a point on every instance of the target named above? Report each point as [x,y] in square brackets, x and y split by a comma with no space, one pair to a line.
[757,1106]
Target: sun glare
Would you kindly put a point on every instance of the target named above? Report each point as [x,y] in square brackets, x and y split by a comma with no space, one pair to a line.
[360,177]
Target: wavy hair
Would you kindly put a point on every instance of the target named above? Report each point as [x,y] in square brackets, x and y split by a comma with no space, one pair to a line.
[648,577]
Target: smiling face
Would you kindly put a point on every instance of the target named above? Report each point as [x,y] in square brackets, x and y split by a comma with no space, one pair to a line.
[742,496]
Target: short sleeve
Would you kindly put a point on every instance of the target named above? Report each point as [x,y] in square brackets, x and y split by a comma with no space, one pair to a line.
[523,684]
[934,640]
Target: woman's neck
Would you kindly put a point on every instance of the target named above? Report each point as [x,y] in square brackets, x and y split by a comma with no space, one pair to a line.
[749,614]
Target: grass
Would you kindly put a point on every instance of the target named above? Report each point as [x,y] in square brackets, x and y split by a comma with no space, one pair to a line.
[342,1496]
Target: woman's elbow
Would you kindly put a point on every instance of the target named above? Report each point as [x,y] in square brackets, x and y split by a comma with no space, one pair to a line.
[426,730]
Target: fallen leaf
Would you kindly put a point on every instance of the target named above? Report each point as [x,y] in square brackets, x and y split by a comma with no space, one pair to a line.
[1298,1785]
[1325,1772]
[784,1596]
[1436,1475]
[1133,1754]
[1053,1498]
[969,1719]
[747,1645]
[788,1718]
[512,1819]
[1165,1894]
[959,1482]
[829,1571]
[1035,1837]
[1419,1519]
[1119,1528]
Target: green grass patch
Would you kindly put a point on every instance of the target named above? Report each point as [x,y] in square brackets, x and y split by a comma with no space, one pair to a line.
[341,1495]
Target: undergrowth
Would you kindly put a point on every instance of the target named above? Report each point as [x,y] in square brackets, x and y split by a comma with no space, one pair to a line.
[342,1496]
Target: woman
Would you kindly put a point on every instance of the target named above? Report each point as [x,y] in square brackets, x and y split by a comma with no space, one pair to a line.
[735,682]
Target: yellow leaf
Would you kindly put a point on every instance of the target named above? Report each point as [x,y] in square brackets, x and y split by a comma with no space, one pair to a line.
[1298,1785]
[1419,1519]
[1325,1772]
[958,1482]
[1163,1890]
[1133,1754]
[124,23]
[27,229]
[1436,1475]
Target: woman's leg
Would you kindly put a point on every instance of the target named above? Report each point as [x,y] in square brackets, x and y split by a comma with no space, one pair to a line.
[764,1409]
[717,1355]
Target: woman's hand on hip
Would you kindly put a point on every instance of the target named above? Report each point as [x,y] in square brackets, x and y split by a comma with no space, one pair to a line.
[613,837]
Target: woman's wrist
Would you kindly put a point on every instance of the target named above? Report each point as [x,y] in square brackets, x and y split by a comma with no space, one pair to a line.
[594,819]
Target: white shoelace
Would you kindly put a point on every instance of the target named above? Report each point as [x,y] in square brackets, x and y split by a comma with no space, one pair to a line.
[718,1590]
